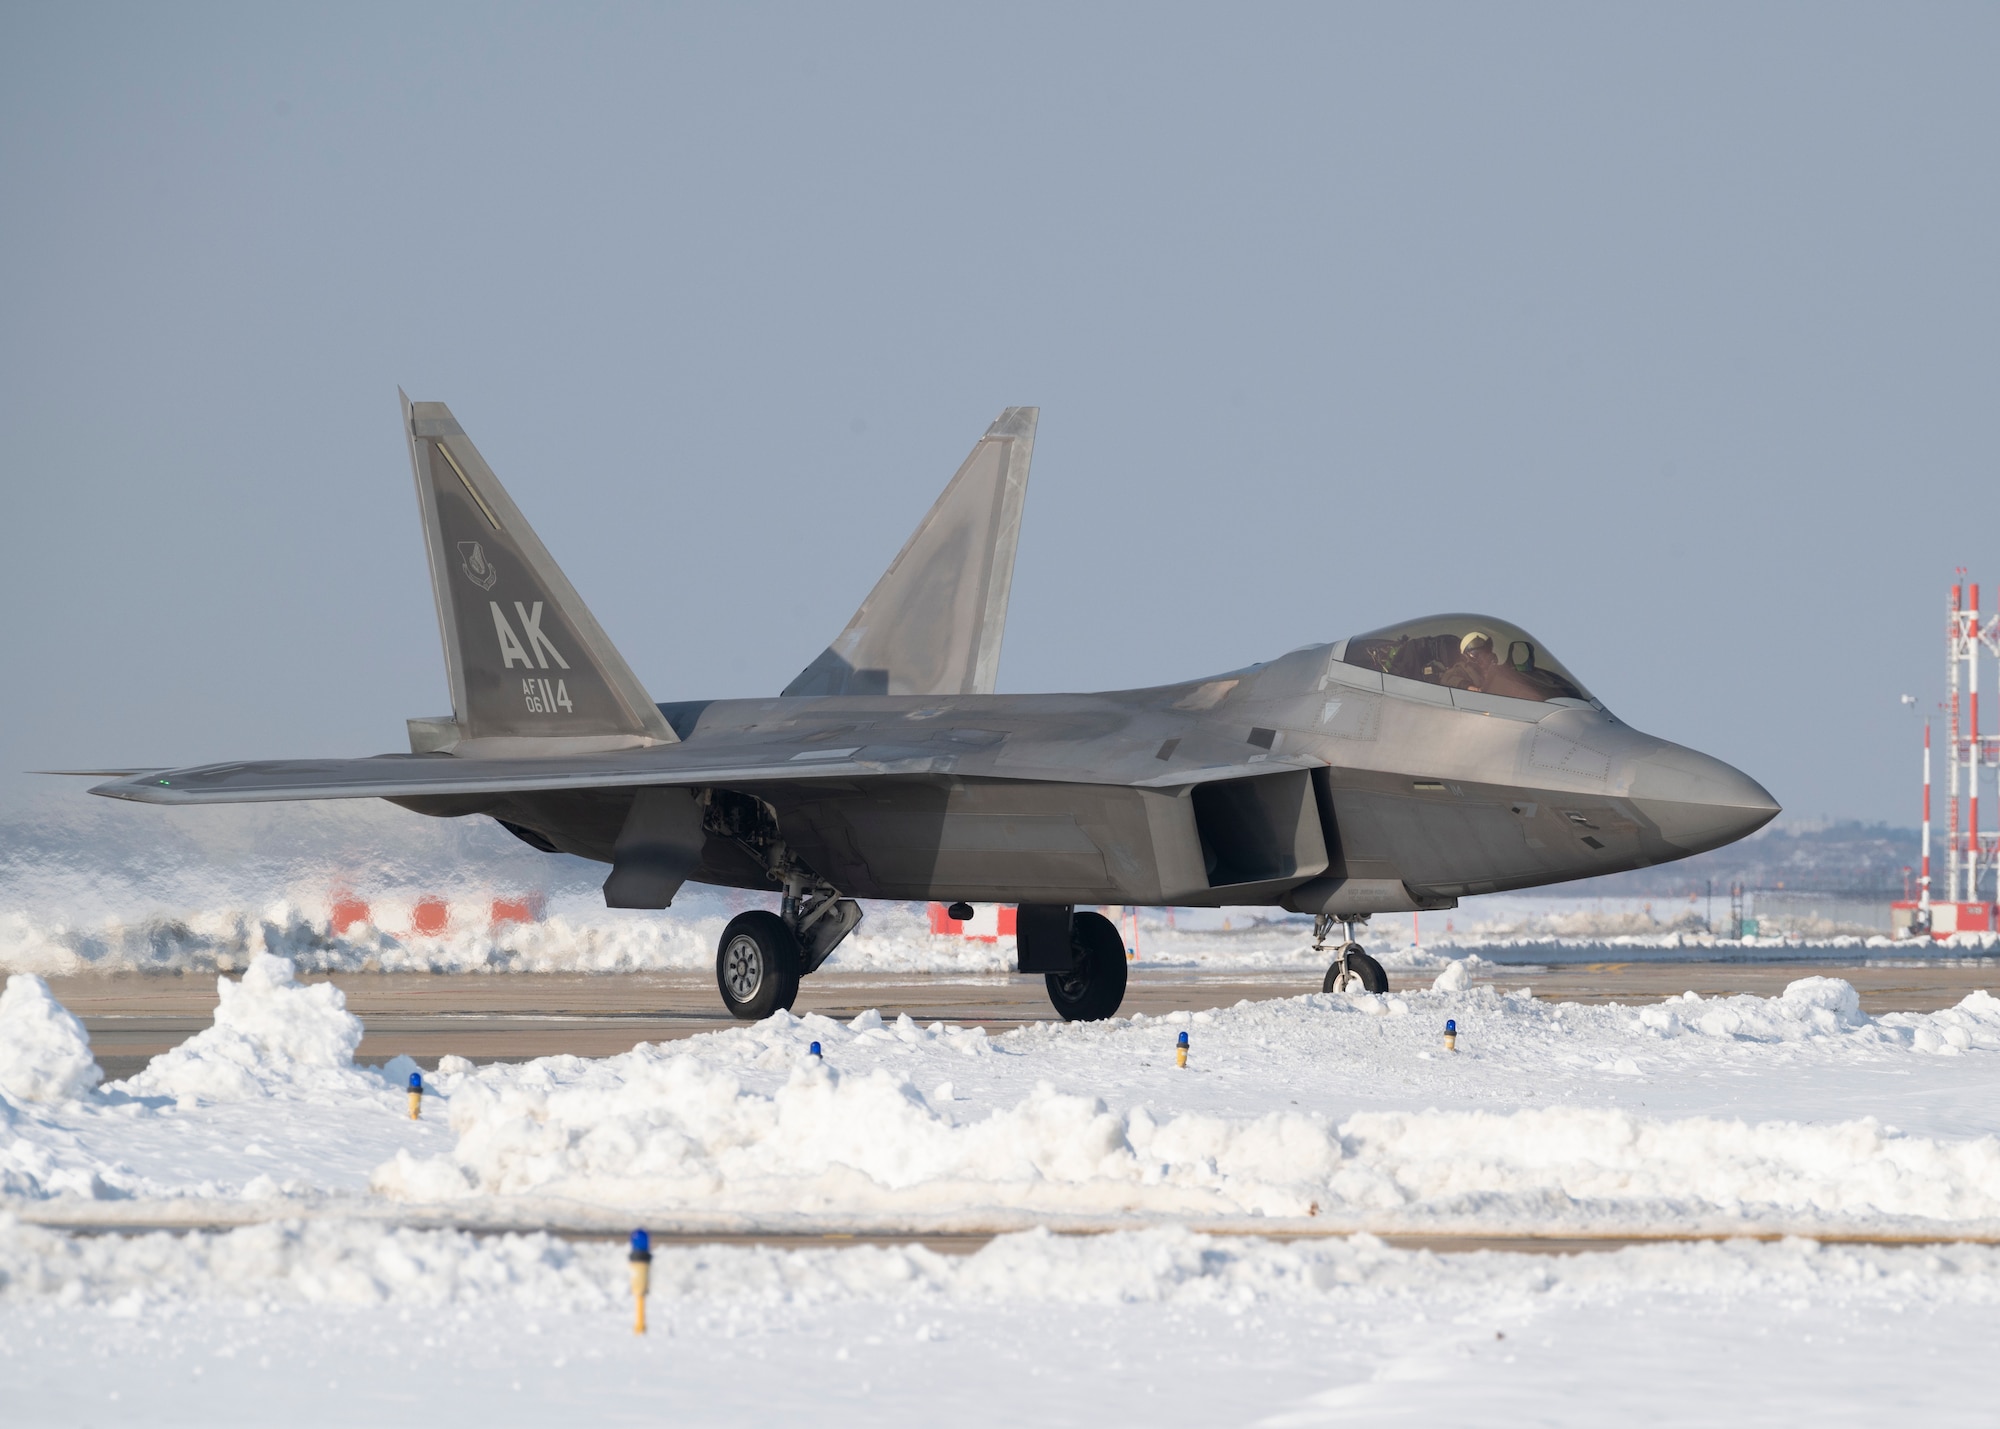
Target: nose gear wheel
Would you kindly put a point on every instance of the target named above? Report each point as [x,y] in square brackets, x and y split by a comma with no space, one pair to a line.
[1352,970]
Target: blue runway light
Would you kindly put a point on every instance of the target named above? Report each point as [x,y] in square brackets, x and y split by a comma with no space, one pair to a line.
[641,1260]
[416,1095]
[1451,1034]
[814,1049]
[1181,1050]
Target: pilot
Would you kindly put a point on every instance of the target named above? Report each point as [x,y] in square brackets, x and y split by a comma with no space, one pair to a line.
[1480,670]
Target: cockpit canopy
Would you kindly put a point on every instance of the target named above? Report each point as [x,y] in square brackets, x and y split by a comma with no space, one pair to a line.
[1467,652]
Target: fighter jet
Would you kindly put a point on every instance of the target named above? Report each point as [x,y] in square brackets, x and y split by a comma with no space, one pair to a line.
[1390,771]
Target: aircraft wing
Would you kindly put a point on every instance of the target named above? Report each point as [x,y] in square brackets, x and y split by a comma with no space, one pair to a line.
[385,776]
[756,759]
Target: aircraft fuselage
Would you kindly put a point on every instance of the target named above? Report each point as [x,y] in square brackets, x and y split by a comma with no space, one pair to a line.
[1284,783]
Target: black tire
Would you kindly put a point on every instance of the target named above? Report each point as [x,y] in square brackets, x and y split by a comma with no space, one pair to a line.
[757,966]
[1361,969]
[1095,984]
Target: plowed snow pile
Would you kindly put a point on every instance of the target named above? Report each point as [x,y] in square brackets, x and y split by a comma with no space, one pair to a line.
[750,1122]
[44,1052]
[577,934]
[267,1102]
[359,1264]
[1333,1109]
[333,1323]
[271,1037]
[1315,1113]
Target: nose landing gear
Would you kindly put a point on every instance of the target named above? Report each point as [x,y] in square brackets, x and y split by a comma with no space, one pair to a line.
[1352,970]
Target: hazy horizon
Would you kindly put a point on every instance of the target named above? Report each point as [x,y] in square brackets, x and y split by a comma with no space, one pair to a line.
[1665,333]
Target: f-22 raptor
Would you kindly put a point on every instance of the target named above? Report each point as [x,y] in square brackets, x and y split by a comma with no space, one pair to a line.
[1392,771]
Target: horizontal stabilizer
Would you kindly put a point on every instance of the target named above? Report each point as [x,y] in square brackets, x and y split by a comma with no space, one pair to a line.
[933,623]
[525,657]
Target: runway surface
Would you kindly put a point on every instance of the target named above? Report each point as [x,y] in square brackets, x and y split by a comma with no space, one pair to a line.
[517,1016]
[967,1242]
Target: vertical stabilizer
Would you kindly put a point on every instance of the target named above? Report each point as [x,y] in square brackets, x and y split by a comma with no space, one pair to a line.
[525,657]
[933,623]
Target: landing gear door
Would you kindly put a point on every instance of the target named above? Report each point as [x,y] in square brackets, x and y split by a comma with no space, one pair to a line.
[1329,822]
[1042,937]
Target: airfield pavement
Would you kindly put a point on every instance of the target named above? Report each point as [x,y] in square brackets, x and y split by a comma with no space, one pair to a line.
[513,1017]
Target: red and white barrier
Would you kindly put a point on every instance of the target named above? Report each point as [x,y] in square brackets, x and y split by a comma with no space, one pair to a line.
[989,923]
[431,916]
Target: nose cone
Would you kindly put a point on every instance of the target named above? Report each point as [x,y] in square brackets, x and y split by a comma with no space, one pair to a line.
[1698,803]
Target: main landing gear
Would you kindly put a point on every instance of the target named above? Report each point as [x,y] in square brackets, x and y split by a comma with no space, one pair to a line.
[763,955]
[1352,970]
[757,965]
[1095,983]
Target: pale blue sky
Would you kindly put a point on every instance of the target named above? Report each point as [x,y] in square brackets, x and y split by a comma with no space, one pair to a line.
[1665,331]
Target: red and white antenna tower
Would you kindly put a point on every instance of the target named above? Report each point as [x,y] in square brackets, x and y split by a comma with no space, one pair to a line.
[1971,854]
[1961,651]
[1924,883]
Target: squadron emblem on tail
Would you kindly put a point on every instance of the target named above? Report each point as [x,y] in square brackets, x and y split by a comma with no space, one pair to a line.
[477,568]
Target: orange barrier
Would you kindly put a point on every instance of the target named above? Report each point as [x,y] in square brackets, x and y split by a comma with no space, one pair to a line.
[430,917]
[527,909]
[348,911]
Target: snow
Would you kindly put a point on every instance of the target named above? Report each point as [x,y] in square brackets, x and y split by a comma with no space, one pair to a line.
[1455,978]
[44,1051]
[771,1132]
[578,934]
[329,1323]
[271,1037]
[266,1104]
[1313,1116]
[1798,1112]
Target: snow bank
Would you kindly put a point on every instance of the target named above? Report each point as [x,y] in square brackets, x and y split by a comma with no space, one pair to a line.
[225,939]
[272,1036]
[580,935]
[1820,1007]
[360,1264]
[678,1128]
[314,1262]
[44,1051]
[1975,1022]
[1739,1111]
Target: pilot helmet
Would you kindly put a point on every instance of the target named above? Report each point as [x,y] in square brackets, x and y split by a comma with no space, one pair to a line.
[1473,640]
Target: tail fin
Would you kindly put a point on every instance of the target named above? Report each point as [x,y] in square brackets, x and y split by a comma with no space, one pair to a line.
[933,623]
[525,657]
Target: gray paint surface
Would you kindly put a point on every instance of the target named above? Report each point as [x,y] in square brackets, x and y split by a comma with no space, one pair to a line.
[934,622]
[1310,782]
